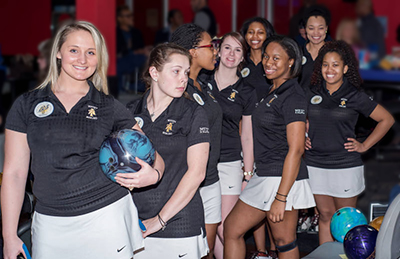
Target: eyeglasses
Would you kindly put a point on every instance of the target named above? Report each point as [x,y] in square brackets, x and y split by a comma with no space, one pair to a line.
[210,46]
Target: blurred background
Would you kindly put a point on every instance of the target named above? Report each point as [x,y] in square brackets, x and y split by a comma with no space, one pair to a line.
[27,28]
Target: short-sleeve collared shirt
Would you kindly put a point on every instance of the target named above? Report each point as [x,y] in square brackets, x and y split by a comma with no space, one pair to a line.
[182,125]
[65,149]
[332,119]
[284,105]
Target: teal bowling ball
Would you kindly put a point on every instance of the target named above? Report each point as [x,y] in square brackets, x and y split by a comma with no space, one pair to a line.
[345,219]
[119,150]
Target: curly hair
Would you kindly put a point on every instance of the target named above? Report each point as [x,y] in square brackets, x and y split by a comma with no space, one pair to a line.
[187,35]
[346,53]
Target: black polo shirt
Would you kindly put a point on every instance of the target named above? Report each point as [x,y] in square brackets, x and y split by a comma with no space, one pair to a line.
[254,76]
[307,70]
[284,105]
[206,100]
[332,120]
[65,149]
[236,101]
[181,125]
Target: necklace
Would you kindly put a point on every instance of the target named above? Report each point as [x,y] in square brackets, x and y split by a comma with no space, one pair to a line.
[220,86]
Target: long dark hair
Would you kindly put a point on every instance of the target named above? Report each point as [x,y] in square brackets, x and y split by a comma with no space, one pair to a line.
[347,55]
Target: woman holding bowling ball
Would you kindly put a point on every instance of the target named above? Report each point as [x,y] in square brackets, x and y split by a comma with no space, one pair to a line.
[172,210]
[333,153]
[280,186]
[61,125]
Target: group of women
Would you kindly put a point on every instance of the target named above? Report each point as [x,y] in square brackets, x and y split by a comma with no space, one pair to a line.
[230,123]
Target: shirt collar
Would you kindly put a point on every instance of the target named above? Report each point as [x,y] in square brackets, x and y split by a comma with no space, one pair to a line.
[92,95]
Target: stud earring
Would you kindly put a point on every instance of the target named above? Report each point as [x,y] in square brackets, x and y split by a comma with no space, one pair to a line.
[155,79]
[290,65]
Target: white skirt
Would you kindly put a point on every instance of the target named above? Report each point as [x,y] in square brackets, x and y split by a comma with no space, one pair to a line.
[260,192]
[110,232]
[230,177]
[187,247]
[211,197]
[340,183]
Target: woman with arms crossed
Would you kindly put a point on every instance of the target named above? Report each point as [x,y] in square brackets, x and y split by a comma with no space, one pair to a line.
[202,51]
[178,127]
[280,186]
[62,124]
[333,157]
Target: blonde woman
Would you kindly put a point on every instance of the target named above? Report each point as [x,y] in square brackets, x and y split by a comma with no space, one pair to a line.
[61,125]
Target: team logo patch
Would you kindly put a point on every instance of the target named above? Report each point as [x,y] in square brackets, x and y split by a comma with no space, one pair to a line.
[232,96]
[198,99]
[139,121]
[210,86]
[43,109]
[343,102]
[168,130]
[245,72]
[303,60]
[317,99]
[92,112]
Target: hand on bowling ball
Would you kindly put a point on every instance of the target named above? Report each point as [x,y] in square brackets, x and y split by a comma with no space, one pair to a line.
[146,176]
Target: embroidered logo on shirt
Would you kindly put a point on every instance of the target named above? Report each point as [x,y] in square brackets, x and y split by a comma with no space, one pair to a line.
[204,130]
[299,111]
[245,72]
[232,96]
[303,60]
[317,99]
[92,112]
[43,109]
[210,86]
[198,99]
[139,121]
[343,102]
[169,127]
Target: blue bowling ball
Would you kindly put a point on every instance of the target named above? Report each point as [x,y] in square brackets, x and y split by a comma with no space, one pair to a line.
[345,219]
[359,242]
[118,152]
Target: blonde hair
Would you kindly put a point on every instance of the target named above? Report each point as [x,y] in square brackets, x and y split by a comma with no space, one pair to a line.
[99,77]
[340,28]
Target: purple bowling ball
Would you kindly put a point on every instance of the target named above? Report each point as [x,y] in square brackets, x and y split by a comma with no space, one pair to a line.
[359,242]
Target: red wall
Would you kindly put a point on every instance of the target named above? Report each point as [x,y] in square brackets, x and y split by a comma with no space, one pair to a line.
[102,14]
[24,25]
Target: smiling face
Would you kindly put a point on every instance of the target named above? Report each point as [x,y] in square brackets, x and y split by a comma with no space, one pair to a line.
[78,56]
[316,29]
[276,63]
[173,77]
[333,70]
[231,53]
[256,35]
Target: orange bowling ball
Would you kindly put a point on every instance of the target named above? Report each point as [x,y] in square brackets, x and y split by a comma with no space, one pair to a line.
[376,222]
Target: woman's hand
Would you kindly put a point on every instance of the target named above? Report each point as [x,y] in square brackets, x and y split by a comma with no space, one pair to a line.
[277,211]
[12,248]
[244,183]
[152,225]
[307,144]
[146,176]
[354,146]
